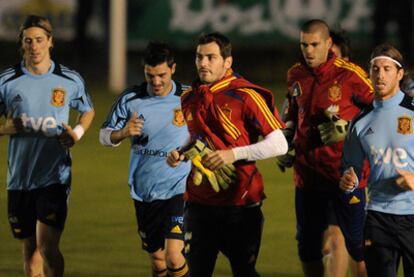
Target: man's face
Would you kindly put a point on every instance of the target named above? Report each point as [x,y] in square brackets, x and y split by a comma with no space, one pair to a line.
[385,77]
[159,77]
[36,46]
[211,66]
[314,48]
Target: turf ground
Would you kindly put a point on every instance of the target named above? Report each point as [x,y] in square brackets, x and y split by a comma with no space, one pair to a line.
[100,238]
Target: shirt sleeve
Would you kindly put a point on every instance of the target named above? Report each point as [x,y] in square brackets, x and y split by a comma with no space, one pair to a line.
[81,101]
[2,105]
[363,92]
[261,116]
[353,153]
[118,116]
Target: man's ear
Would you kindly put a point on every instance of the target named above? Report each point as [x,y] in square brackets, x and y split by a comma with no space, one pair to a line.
[228,62]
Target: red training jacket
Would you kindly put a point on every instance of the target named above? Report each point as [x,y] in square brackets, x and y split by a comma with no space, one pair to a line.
[337,84]
[231,112]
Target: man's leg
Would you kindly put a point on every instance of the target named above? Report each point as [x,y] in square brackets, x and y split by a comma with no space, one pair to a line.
[381,245]
[335,251]
[201,239]
[158,264]
[33,262]
[176,263]
[173,237]
[22,219]
[241,238]
[350,212]
[48,238]
[311,217]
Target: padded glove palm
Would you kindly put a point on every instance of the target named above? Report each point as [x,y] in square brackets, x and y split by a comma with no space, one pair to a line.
[222,177]
[334,130]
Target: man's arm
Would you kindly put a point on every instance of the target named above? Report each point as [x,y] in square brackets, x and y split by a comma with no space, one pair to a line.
[274,144]
[353,157]
[70,136]
[112,137]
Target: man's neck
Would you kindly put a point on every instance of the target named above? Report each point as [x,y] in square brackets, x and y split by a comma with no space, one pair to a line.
[39,69]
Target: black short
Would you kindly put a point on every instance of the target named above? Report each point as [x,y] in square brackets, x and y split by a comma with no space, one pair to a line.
[234,231]
[389,237]
[160,220]
[48,205]
[312,218]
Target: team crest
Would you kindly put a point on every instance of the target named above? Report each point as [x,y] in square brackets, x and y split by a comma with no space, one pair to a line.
[335,92]
[405,125]
[226,110]
[189,116]
[296,90]
[58,97]
[178,118]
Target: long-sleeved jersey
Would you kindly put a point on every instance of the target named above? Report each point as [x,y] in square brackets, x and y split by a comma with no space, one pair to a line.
[337,85]
[384,135]
[229,113]
[36,159]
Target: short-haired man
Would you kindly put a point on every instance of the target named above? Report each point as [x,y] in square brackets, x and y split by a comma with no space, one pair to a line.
[36,96]
[150,116]
[383,134]
[225,114]
[324,94]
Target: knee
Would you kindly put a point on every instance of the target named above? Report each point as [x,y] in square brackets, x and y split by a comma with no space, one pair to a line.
[175,259]
[337,242]
[158,260]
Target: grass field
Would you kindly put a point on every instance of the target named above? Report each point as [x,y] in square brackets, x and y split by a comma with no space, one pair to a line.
[100,237]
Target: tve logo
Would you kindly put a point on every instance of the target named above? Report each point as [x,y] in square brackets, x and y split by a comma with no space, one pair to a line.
[398,156]
[47,125]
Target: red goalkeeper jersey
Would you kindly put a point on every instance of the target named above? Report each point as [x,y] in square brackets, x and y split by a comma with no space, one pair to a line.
[337,85]
[231,112]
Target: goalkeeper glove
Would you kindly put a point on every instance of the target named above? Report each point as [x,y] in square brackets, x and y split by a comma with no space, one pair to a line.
[287,160]
[334,130]
[222,177]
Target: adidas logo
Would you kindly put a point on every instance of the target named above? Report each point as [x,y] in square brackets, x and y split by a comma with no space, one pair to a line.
[354,200]
[176,230]
[369,132]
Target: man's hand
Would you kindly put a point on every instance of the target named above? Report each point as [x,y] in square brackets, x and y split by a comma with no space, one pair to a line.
[405,180]
[215,165]
[174,158]
[68,137]
[11,126]
[133,127]
[217,159]
[349,180]
[286,161]
[334,130]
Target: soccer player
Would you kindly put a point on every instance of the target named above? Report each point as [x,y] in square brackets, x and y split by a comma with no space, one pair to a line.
[150,115]
[334,248]
[383,133]
[36,96]
[225,114]
[324,94]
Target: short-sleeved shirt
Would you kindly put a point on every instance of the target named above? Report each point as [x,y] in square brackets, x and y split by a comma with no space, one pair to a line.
[36,159]
[150,177]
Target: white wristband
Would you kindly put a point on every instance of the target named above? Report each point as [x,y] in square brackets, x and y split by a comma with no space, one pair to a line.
[79,131]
